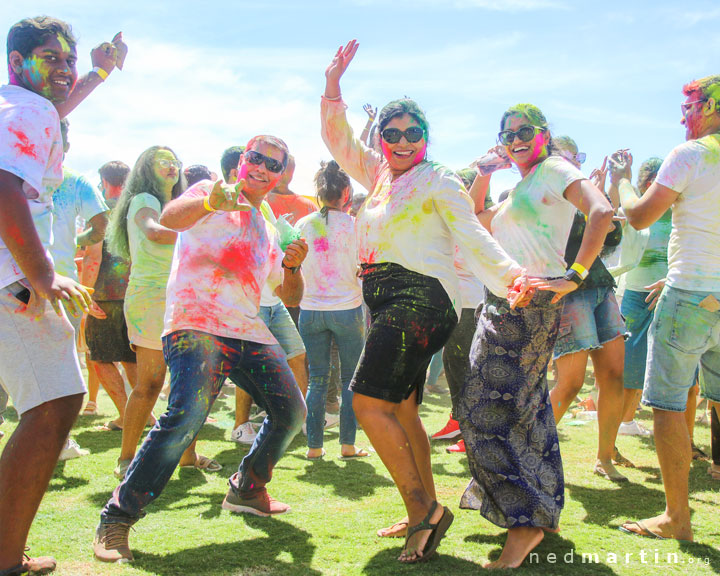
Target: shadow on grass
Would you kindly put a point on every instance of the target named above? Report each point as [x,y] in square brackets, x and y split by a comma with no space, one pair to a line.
[251,556]
[386,562]
[354,481]
[606,504]
[61,482]
[554,555]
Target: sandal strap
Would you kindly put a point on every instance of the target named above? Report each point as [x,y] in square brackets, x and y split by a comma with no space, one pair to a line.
[425,524]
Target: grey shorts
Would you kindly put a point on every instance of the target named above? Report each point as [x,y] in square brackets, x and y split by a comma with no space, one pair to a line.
[38,359]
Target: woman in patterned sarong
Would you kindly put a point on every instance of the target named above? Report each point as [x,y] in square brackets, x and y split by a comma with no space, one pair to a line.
[505,415]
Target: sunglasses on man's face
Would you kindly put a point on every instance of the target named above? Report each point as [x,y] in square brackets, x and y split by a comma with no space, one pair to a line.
[412,134]
[274,166]
[525,134]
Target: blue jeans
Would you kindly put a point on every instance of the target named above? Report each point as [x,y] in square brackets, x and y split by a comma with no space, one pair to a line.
[637,320]
[317,329]
[199,363]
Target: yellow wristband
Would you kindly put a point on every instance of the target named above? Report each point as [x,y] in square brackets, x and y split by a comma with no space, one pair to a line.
[580,269]
[206,204]
[101,72]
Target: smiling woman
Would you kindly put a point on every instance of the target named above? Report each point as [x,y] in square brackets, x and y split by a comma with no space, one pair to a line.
[407,229]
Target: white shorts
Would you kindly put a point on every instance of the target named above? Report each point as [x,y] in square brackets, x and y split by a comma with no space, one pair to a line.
[38,360]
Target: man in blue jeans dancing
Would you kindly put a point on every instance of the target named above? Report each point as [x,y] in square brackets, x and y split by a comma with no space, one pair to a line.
[225,253]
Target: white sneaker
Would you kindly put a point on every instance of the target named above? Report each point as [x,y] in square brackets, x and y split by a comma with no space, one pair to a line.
[331,420]
[244,434]
[72,450]
[633,428]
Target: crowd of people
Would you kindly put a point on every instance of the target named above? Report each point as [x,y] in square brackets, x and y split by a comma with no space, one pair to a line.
[238,278]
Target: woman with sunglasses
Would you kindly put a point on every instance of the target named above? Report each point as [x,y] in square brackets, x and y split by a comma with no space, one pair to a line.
[504,411]
[406,231]
[591,326]
[135,233]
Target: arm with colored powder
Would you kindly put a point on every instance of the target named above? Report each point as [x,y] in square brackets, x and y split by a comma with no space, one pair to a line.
[95,230]
[644,211]
[290,291]
[361,163]
[184,212]
[18,232]
[485,257]
[106,56]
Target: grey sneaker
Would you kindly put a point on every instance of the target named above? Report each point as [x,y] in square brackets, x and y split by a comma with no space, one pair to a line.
[111,542]
[259,503]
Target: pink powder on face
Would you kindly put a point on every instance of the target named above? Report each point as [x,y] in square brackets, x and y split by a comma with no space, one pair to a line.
[539,146]
[419,157]
[386,150]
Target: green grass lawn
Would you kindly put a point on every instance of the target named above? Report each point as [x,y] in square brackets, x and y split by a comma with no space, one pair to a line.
[337,506]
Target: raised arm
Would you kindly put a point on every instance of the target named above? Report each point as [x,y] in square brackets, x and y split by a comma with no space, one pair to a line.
[361,163]
[105,58]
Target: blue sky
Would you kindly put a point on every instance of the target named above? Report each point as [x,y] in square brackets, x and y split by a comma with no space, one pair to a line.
[201,77]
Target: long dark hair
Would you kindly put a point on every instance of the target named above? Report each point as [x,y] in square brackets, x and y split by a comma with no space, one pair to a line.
[142,179]
[330,183]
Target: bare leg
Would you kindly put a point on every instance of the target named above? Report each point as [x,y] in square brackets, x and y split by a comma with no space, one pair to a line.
[631,399]
[394,444]
[243,402]
[673,448]
[570,377]
[690,410]
[26,467]
[299,370]
[113,383]
[93,382]
[608,363]
[150,378]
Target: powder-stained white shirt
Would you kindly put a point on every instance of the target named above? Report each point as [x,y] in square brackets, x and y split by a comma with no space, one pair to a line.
[534,222]
[416,219]
[693,171]
[330,268]
[31,149]
[219,268]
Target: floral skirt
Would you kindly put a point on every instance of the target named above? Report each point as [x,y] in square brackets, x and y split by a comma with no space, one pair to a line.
[506,417]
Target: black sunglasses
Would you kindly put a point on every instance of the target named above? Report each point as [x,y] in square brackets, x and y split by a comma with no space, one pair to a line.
[412,134]
[271,164]
[526,133]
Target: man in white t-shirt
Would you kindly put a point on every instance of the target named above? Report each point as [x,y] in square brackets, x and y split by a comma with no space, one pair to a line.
[225,253]
[38,362]
[686,328]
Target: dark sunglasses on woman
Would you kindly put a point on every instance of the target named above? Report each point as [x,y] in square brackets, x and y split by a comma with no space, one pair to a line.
[525,134]
[393,135]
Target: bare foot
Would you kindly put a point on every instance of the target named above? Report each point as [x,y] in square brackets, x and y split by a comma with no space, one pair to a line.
[660,527]
[397,530]
[188,460]
[415,545]
[352,451]
[314,453]
[520,542]
[606,469]
[551,530]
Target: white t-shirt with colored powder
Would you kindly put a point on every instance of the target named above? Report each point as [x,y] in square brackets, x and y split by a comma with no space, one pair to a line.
[533,223]
[149,261]
[219,268]
[75,198]
[472,291]
[416,219]
[31,149]
[693,171]
[330,268]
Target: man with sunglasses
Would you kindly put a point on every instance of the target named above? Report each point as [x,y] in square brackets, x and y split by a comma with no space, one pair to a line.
[686,328]
[225,253]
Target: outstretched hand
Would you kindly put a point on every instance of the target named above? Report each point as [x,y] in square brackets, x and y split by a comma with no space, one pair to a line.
[560,286]
[337,68]
[620,166]
[370,111]
[228,198]
[599,175]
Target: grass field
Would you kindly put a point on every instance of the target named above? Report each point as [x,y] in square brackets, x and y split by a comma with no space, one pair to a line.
[337,506]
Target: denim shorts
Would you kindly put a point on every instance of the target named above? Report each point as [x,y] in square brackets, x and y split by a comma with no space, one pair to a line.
[281,324]
[590,318]
[637,319]
[683,334]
